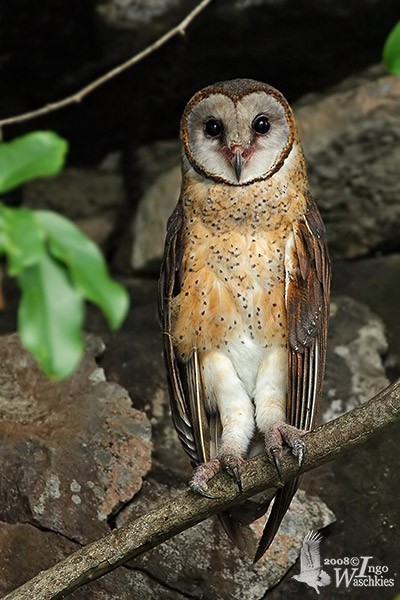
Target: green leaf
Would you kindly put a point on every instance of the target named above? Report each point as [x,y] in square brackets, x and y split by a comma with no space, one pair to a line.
[37,154]
[391,51]
[21,238]
[86,266]
[50,317]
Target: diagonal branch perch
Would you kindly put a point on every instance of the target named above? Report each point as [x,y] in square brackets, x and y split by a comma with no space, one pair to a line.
[322,445]
[78,96]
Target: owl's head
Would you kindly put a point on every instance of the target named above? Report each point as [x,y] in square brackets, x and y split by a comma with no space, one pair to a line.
[237,131]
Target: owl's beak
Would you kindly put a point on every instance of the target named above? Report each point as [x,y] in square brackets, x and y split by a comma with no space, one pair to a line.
[238,161]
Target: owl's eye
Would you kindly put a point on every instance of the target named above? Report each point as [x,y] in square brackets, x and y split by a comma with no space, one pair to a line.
[213,128]
[261,125]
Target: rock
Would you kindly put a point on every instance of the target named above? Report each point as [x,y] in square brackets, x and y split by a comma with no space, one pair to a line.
[90,197]
[134,359]
[160,176]
[23,545]
[201,554]
[375,281]
[73,452]
[151,217]
[362,489]
[125,13]
[351,140]
[356,346]
[158,166]
[204,558]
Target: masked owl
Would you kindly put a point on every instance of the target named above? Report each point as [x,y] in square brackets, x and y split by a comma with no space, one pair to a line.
[244,293]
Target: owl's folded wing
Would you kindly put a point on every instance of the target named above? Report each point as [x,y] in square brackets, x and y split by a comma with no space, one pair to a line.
[307,301]
[185,391]
[307,304]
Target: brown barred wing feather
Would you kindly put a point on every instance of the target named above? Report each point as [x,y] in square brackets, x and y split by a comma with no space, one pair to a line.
[307,303]
[184,383]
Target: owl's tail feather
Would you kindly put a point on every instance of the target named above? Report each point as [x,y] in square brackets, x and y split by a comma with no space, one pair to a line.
[236,521]
[281,504]
[241,535]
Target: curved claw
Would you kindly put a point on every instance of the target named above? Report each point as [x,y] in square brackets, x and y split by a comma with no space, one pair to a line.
[275,455]
[298,451]
[202,475]
[231,461]
[292,437]
[201,489]
[234,470]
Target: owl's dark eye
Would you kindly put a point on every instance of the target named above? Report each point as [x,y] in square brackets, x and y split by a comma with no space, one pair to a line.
[213,128]
[261,125]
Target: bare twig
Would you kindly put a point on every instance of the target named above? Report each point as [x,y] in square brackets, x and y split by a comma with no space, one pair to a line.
[78,96]
[324,444]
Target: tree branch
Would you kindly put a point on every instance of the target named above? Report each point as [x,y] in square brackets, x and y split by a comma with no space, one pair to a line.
[78,96]
[322,445]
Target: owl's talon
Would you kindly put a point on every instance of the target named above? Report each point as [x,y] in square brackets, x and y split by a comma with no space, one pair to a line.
[228,461]
[231,462]
[202,475]
[201,489]
[235,472]
[277,436]
[292,437]
[298,451]
[275,455]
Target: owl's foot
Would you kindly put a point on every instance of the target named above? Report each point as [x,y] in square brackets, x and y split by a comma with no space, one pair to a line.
[277,436]
[224,461]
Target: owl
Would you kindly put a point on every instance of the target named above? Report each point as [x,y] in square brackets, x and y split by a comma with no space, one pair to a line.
[244,294]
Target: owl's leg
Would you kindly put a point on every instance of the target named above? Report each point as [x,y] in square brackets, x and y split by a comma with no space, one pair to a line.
[270,401]
[226,396]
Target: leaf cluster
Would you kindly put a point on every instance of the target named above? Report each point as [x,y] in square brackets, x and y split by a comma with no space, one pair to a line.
[56,266]
[391,51]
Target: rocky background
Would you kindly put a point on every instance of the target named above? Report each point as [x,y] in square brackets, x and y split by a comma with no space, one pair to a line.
[81,457]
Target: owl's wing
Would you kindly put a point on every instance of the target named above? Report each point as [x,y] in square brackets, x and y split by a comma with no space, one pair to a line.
[184,385]
[307,304]
[307,301]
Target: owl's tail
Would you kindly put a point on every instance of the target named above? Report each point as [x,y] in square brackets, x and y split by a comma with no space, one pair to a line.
[236,522]
[281,504]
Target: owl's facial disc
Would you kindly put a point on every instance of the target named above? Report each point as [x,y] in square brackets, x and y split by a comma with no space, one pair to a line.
[238,141]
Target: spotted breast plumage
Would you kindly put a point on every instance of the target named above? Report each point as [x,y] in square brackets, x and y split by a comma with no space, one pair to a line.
[244,291]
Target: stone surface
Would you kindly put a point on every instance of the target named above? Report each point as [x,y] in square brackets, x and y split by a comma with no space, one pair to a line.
[25,550]
[362,489]
[375,281]
[92,198]
[133,13]
[207,565]
[151,217]
[355,371]
[159,173]
[73,452]
[134,359]
[351,139]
